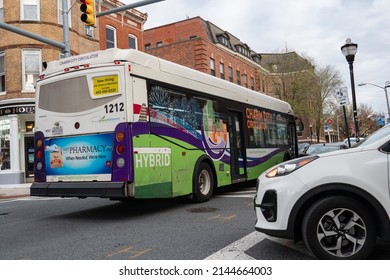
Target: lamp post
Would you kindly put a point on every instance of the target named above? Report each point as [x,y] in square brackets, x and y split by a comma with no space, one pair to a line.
[387,84]
[349,50]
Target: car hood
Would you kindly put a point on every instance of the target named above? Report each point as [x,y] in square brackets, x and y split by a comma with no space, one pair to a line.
[349,151]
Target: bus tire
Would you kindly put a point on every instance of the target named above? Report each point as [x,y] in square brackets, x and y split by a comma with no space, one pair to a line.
[203,183]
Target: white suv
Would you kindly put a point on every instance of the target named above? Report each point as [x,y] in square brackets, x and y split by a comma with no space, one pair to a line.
[337,202]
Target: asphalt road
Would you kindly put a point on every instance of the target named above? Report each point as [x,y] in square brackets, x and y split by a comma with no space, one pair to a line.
[103,229]
[173,229]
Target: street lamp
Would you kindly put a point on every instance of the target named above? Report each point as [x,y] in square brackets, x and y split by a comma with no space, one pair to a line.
[349,50]
[387,84]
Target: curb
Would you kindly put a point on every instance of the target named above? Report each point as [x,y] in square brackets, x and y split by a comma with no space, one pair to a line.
[13,191]
[13,196]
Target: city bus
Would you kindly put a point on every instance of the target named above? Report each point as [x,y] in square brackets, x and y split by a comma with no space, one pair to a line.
[123,124]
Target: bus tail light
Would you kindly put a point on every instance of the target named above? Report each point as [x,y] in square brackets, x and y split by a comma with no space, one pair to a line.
[122,168]
[120,162]
[39,157]
[121,149]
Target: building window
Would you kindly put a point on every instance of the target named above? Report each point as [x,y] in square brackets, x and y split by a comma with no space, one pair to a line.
[223,40]
[110,37]
[243,50]
[277,90]
[1,11]
[230,73]
[222,70]
[5,144]
[29,10]
[2,73]
[159,44]
[132,42]
[31,67]
[238,74]
[245,77]
[212,66]
[60,13]
[252,83]
[256,58]
[148,46]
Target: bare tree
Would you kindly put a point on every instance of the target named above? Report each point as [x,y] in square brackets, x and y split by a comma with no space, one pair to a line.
[310,90]
[329,81]
[366,118]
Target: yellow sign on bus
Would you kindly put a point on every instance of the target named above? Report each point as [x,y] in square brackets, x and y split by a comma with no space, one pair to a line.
[105,85]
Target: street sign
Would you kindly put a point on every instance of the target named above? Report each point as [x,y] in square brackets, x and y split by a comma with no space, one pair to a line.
[342,96]
[380,120]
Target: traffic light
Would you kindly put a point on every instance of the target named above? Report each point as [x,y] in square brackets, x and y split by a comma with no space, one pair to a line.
[88,9]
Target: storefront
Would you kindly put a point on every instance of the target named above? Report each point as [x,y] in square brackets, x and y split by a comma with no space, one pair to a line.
[17,140]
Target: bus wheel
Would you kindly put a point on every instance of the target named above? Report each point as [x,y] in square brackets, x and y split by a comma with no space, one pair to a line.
[203,183]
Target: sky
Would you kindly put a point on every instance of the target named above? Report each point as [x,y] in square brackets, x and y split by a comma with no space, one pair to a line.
[313,28]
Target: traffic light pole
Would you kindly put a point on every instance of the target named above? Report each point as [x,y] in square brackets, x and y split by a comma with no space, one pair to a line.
[65,46]
[126,7]
[65,27]
[31,35]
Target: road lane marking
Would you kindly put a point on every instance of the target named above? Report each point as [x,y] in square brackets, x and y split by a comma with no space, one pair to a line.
[238,194]
[129,250]
[223,218]
[236,250]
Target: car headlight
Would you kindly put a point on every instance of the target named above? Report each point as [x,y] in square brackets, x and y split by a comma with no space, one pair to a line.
[289,167]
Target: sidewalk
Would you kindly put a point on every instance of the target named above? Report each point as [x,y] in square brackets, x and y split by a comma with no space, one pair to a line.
[14,191]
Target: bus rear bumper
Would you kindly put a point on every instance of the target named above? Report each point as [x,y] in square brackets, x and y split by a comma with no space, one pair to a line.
[80,189]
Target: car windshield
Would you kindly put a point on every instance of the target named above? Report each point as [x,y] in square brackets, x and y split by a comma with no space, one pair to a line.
[377,135]
[321,148]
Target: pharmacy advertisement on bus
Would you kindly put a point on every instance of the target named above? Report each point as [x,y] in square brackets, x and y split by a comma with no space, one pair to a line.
[79,158]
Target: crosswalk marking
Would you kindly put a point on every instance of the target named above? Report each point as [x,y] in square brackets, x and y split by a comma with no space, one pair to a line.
[238,194]
[236,250]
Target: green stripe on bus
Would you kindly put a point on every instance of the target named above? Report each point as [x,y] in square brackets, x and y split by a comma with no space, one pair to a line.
[161,190]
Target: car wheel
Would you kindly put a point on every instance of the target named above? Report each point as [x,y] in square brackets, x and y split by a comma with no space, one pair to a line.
[203,183]
[339,227]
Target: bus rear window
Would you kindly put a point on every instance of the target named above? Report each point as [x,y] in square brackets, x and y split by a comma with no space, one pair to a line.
[69,96]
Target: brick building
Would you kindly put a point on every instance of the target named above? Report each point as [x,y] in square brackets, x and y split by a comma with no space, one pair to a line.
[195,43]
[21,63]
[122,30]
[203,46]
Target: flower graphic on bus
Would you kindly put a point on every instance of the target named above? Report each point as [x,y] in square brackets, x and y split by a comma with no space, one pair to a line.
[214,132]
[191,114]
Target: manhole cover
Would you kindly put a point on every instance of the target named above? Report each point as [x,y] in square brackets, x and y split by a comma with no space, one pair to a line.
[202,210]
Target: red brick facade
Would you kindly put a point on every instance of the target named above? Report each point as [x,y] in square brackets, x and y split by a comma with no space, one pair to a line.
[128,23]
[188,43]
[195,42]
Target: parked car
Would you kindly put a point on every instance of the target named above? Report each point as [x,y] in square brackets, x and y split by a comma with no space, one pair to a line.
[337,202]
[302,147]
[353,141]
[320,148]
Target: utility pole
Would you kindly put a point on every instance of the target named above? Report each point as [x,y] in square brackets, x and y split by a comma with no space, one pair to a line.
[127,7]
[65,26]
